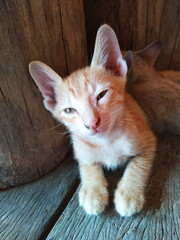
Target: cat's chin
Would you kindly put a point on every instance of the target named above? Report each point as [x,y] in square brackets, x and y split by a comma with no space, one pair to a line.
[96,133]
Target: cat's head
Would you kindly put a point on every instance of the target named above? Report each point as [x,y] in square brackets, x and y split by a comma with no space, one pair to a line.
[89,100]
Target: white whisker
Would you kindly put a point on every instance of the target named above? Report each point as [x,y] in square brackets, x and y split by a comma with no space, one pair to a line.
[64,133]
[54,127]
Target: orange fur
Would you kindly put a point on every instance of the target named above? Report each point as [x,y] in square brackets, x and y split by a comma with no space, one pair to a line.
[130,121]
[171,75]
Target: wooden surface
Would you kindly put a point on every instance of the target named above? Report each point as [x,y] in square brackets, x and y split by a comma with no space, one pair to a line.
[158,220]
[48,31]
[28,211]
[137,24]
[49,208]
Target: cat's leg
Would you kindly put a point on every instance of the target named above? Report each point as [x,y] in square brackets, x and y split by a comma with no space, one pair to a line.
[129,195]
[93,195]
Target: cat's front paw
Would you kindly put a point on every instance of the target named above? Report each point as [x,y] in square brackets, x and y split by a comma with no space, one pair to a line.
[128,202]
[93,199]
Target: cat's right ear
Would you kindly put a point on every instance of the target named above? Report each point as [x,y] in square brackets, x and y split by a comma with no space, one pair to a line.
[151,52]
[107,52]
[46,80]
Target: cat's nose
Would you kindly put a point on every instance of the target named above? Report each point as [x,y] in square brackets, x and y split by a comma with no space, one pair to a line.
[94,124]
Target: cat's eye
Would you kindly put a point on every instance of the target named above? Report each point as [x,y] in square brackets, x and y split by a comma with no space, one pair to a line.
[69,110]
[101,95]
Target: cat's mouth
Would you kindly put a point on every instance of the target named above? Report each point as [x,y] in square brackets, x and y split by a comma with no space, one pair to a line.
[97,132]
[94,132]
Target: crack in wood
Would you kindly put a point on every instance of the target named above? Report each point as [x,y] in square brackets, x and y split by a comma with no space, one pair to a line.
[53,219]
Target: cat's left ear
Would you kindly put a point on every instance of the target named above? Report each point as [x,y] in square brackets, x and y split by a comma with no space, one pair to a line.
[151,52]
[107,52]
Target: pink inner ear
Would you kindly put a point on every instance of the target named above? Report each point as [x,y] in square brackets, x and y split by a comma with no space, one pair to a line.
[45,79]
[45,85]
[113,66]
[113,54]
[107,52]
[116,64]
[49,103]
[50,98]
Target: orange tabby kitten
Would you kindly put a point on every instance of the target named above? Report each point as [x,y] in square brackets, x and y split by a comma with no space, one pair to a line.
[107,126]
[158,93]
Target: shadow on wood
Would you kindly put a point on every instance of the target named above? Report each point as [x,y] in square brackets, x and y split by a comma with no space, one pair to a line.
[166,160]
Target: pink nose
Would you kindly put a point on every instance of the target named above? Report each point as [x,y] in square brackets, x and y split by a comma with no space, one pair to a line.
[94,124]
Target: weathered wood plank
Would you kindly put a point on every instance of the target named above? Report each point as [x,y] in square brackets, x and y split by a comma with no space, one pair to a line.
[158,220]
[73,30]
[137,24]
[27,211]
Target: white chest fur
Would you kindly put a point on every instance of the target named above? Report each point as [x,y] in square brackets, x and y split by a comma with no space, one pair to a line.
[110,154]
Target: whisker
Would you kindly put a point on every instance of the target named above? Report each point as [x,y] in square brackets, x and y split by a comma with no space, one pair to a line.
[55,127]
[64,133]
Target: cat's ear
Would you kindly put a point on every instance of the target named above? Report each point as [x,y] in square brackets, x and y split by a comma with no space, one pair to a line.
[131,75]
[107,52]
[46,79]
[151,52]
[129,58]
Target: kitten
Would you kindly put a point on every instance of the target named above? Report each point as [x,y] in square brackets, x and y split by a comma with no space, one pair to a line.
[158,93]
[107,126]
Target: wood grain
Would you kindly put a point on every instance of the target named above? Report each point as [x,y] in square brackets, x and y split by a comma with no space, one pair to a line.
[137,24]
[51,32]
[28,211]
[158,220]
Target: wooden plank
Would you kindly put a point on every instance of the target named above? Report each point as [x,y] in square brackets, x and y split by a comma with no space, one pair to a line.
[158,220]
[137,24]
[98,13]
[73,30]
[27,211]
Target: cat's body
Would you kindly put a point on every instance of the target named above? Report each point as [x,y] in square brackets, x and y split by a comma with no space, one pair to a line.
[123,133]
[107,126]
[171,75]
[158,93]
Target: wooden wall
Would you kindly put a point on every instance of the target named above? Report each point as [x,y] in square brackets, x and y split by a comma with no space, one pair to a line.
[138,23]
[48,31]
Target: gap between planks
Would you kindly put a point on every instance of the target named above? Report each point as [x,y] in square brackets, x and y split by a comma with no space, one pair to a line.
[54,218]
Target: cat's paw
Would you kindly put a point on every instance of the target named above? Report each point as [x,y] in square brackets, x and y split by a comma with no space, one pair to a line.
[127,202]
[93,199]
